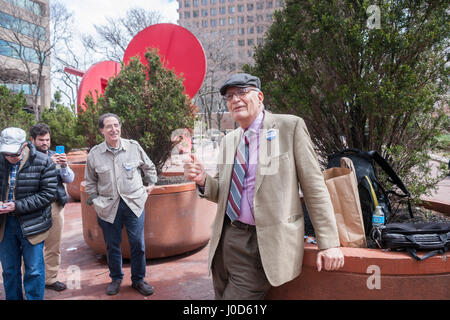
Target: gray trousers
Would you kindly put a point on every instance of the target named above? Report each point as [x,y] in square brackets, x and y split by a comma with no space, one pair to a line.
[237,270]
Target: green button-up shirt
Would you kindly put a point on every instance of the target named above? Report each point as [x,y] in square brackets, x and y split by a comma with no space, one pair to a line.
[123,174]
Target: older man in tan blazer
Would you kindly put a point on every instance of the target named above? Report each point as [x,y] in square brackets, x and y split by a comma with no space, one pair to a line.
[258,233]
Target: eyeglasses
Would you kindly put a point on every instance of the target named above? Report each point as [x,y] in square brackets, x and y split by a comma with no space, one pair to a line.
[13,155]
[239,93]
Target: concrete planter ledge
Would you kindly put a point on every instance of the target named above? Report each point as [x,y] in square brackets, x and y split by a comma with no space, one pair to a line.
[369,274]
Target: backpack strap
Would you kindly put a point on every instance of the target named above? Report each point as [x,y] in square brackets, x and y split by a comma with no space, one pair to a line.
[394,177]
[387,168]
[412,252]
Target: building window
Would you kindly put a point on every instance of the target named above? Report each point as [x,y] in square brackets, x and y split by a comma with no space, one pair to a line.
[17,87]
[222,21]
[260,29]
[240,8]
[195,3]
[250,19]
[204,13]
[212,1]
[195,13]
[29,5]
[204,23]
[259,5]
[231,20]
[204,2]
[213,22]
[250,6]
[213,11]
[222,10]
[240,20]
[269,4]
[187,14]
[250,30]
[21,26]
[241,43]
[241,31]
[269,17]
[16,51]
[230,9]
[187,3]
[250,42]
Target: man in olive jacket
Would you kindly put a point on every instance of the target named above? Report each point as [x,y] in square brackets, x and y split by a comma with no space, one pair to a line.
[27,187]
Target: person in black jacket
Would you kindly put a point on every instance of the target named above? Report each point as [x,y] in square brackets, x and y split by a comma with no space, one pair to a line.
[40,137]
[27,187]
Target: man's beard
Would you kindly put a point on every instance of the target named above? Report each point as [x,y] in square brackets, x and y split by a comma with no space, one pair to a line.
[41,150]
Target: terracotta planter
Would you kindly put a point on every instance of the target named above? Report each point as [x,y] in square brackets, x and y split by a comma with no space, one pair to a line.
[176,221]
[77,162]
[369,274]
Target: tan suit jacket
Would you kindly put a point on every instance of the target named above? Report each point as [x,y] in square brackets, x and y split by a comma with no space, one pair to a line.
[285,162]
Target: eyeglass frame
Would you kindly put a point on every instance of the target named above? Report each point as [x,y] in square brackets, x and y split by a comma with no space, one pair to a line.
[239,93]
[13,155]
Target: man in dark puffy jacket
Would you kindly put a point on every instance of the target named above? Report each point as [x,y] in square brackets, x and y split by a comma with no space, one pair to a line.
[27,187]
[40,137]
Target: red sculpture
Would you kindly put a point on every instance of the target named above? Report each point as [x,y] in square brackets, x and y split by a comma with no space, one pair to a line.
[178,48]
[95,79]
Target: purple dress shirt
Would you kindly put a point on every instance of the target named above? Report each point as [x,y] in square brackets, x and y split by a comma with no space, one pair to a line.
[246,215]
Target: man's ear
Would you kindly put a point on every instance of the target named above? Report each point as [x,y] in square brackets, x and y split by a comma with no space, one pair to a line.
[261,96]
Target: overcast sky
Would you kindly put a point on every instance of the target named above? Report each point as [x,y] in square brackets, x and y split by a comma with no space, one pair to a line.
[90,12]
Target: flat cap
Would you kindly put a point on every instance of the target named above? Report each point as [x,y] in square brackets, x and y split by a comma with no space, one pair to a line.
[12,140]
[240,80]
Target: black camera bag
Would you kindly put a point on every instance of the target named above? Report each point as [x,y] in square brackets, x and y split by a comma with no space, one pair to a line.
[425,236]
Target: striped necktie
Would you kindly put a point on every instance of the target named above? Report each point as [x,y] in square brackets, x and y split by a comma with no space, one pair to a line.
[237,181]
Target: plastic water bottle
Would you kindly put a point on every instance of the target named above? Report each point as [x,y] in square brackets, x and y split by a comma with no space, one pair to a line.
[378,217]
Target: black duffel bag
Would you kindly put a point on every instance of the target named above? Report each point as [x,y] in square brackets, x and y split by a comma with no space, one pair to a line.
[425,236]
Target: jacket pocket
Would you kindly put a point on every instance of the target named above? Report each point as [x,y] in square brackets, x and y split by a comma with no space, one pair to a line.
[104,180]
[130,168]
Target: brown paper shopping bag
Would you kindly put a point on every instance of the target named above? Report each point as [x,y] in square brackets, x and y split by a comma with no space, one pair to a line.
[343,188]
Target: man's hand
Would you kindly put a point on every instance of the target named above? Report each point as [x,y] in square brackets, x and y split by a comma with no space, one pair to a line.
[194,171]
[6,207]
[60,158]
[149,188]
[331,259]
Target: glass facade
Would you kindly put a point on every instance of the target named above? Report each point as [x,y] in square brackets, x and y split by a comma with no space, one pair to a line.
[29,5]
[13,50]
[24,27]
[18,87]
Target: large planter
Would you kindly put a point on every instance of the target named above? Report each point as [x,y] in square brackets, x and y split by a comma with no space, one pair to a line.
[176,221]
[77,162]
[369,274]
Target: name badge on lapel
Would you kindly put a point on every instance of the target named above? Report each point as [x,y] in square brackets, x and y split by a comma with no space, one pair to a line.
[271,134]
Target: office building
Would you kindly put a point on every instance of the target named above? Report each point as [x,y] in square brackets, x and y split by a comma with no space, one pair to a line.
[243,22]
[24,42]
